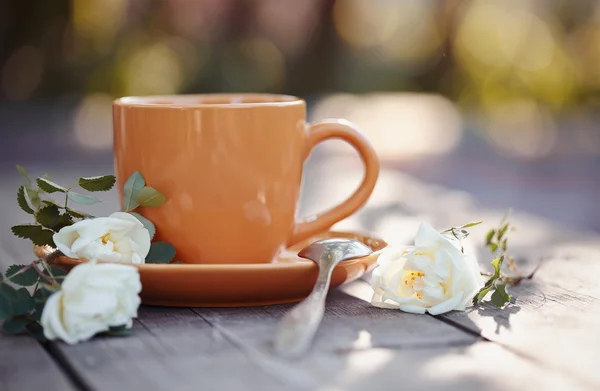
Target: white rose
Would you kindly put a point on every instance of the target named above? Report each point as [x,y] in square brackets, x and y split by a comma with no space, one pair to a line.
[118,238]
[433,276]
[92,298]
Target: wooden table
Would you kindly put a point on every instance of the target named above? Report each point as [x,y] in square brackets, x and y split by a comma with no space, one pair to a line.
[548,339]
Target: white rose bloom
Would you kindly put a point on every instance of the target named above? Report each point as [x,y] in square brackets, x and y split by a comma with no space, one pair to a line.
[433,276]
[118,238]
[93,297]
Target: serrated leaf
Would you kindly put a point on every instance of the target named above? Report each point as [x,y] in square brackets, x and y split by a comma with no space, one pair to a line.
[24,302]
[23,172]
[15,325]
[49,187]
[5,307]
[82,198]
[502,231]
[135,183]
[64,220]
[160,252]
[48,216]
[22,275]
[147,223]
[500,297]
[150,197]
[35,233]
[77,214]
[469,225]
[23,201]
[98,183]
[489,236]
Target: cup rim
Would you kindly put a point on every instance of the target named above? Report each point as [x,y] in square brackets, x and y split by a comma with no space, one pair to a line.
[217,100]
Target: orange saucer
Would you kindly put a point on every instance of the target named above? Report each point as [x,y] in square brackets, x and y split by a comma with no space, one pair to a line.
[287,279]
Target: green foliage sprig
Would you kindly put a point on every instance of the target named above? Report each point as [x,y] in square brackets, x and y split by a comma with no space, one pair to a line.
[24,289]
[496,240]
[50,216]
[136,194]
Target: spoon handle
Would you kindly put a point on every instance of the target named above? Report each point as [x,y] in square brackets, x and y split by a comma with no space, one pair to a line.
[298,327]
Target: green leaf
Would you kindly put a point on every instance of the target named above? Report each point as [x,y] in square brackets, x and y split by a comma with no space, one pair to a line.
[49,186]
[119,331]
[35,233]
[82,198]
[502,231]
[50,203]
[493,247]
[23,200]
[77,214]
[23,172]
[150,197]
[6,311]
[22,275]
[9,292]
[15,325]
[64,220]
[480,295]
[469,225]
[160,252]
[98,183]
[48,216]
[135,183]
[500,296]
[504,244]
[147,223]
[24,302]
[36,331]
[39,297]
[42,294]
[33,194]
[489,236]
[497,264]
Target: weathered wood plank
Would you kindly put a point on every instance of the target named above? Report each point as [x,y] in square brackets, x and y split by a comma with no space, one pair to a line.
[554,317]
[171,348]
[359,347]
[25,365]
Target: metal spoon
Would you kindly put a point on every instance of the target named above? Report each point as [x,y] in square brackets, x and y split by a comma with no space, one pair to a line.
[298,327]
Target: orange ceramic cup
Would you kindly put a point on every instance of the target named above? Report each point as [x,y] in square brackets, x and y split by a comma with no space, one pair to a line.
[230,166]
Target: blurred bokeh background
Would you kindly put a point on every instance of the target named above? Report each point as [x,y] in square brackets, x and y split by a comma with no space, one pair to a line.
[499,99]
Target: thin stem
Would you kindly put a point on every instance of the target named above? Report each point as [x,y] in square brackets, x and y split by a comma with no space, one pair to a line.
[52,281]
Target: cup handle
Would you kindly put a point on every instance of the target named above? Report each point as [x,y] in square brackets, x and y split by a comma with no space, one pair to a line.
[340,129]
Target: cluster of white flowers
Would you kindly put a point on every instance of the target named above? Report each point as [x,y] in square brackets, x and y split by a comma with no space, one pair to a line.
[95,295]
